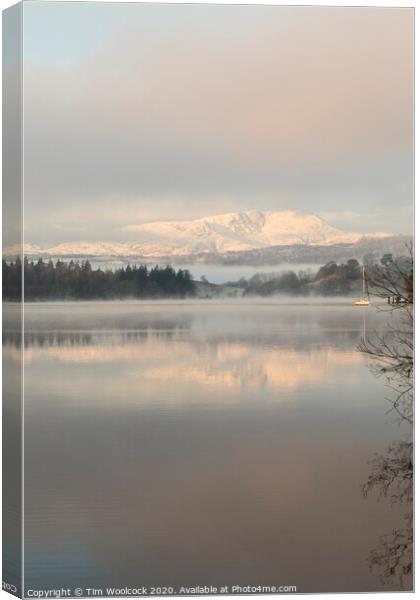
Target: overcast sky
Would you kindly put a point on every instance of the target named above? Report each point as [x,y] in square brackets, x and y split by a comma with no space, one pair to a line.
[136,113]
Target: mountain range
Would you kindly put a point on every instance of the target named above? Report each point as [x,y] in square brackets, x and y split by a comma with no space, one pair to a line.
[210,237]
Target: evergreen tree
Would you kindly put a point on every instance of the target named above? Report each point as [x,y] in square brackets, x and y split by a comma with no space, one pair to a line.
[79,281]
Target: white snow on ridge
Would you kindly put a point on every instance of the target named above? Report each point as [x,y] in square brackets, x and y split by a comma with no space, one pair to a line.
[232,232]
[239,231]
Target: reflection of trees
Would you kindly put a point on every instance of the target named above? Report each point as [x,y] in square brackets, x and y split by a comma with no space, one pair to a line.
[392,477]
[47,335]
[391,356]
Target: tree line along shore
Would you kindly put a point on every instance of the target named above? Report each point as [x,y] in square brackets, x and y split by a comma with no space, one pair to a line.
[73,280]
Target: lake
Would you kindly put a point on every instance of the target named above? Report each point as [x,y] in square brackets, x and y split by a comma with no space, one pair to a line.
[202,443]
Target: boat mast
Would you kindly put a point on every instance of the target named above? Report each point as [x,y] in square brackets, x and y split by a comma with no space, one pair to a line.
[363,271]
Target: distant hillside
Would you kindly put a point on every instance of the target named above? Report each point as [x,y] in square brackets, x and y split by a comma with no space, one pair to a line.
[332,279]
[233,238]
[366,248]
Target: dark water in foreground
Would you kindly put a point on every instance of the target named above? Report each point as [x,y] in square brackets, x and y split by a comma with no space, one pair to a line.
[197,444]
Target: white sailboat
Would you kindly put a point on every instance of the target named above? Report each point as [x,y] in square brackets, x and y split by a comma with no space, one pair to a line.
[364,300]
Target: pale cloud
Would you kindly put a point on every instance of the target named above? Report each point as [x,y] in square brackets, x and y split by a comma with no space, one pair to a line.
[378,217]
[345,216]
[299,108]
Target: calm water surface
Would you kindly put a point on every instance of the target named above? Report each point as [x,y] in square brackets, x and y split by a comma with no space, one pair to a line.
[202,443]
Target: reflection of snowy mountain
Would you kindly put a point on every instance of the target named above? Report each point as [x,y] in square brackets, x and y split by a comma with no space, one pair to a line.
[215,236]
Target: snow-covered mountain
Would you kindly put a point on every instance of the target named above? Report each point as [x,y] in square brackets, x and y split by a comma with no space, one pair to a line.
[232,232]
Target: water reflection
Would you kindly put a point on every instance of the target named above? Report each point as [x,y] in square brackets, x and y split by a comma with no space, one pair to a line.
[223,364]
[392,478]
[391,356]
[184,445]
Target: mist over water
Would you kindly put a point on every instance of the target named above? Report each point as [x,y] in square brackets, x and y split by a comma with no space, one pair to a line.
[213,272]
[224,273]
[198,443]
